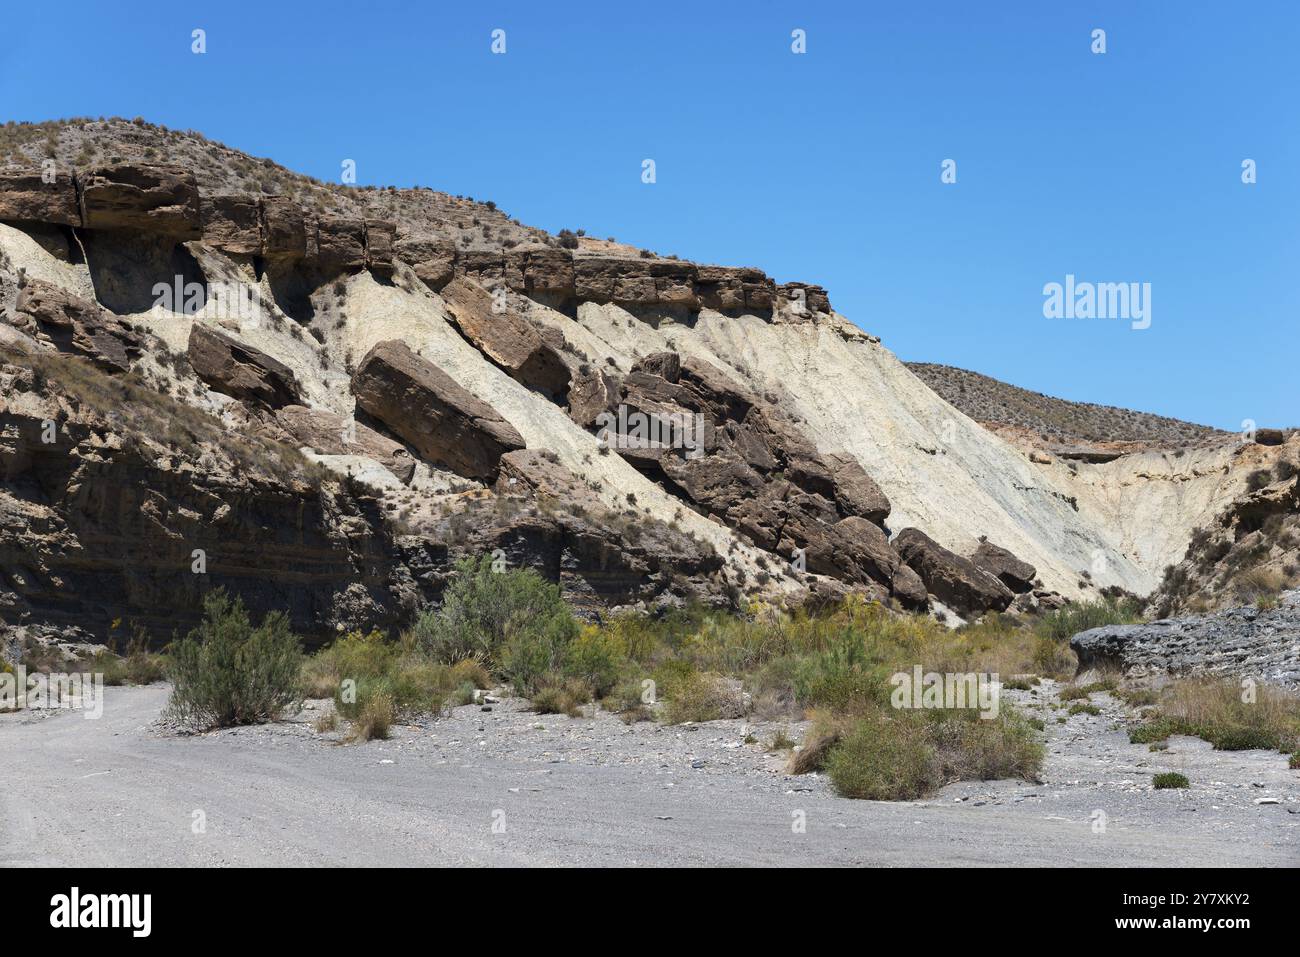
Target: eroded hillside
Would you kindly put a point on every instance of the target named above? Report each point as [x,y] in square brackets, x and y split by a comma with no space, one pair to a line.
[475,384]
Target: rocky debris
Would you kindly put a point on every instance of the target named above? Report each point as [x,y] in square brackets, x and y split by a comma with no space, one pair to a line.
[381,234]
[1003,565]
[955,581]
[25,196]
[1240,642]
[591,393]
[601,558]
[1251,548]
[239,370]
[232,223]
[76,325]
[493,326]
[1039,601]
[736,456]
[328,434]
[153,199]
[444,422]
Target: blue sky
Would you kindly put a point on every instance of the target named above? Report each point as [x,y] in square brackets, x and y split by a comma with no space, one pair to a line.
[822,167]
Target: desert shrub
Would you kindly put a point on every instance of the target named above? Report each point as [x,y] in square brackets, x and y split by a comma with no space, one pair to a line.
[373,717]
[595,657]
[1214,711]
[825,733]
[1255,584]
[883,759]
[356,655]
[1064,623]
[1168,780]
[841,678]
[226,672]
[701,697]
[1080,708]
[484,611]
[556,694]
[907,756]
[1258,479]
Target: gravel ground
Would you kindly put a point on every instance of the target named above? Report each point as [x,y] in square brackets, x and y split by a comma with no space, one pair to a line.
[510,787]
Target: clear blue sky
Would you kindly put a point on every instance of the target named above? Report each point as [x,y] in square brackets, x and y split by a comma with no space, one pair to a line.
[822,167]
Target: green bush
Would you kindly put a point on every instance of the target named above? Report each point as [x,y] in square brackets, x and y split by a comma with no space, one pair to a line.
[484,611]
[883,759]
[595,657]
[841,678]
[1168,780]
[226,672]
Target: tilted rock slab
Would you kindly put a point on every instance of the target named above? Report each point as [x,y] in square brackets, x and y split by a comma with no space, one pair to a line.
[505,337]
[1240,642]
[328,434]
[240,371]
[955,581]
[76,325]
[444,422]
[1005,567]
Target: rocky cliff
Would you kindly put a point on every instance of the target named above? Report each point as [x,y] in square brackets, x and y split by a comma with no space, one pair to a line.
[641,428]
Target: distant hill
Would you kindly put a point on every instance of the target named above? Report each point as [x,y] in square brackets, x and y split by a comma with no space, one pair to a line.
[992,402]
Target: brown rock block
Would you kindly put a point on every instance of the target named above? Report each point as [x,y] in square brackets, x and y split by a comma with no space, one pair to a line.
[443,421]
[26,197]
[240,371]
[154,199]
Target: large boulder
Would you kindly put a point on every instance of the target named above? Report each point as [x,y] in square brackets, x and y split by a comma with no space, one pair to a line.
[444,422]
[1237,643]
[153,199]
[340,243]
[505,337]
[328,434]
[239,370]
[284,229]
[77,325]
[26,196]
[955,581]
[232,223]
[592,392]
[1003,565]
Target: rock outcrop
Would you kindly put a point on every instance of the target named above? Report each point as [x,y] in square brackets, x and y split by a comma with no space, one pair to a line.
[955,581]
[240,371]
[75,325]
[1237,643]
[1005,567]
[443,421]
[29,196]
[328,434]
[505,337]
[153,199]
